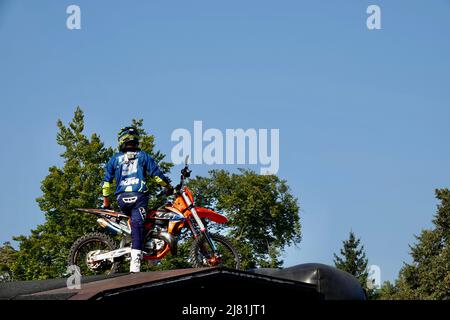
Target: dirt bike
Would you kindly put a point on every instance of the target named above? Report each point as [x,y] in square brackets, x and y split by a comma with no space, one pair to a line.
[98,252]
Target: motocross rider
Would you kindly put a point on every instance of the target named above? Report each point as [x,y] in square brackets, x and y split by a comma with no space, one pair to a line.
[130,167]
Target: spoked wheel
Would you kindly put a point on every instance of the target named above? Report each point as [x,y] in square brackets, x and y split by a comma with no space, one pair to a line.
[86,247]
[202,255]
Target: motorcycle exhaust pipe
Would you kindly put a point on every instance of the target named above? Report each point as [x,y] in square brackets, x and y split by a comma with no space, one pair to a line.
[109,226]
[171,240]
[168,238]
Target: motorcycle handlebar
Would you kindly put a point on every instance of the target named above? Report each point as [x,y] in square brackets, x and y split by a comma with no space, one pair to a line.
[185,173]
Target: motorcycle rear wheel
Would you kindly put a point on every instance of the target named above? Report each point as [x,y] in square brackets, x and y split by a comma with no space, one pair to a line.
[95,241]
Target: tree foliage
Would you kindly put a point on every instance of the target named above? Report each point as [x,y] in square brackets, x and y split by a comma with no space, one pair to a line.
[387,291]
[353,259]
[77,184]
[7,258]
[263,214]
[428,276]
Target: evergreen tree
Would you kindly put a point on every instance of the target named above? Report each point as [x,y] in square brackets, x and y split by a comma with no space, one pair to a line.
[387,291]
[353,259]
[428,276]
[77,184]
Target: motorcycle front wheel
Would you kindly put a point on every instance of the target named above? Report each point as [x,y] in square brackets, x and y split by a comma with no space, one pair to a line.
[202,255]
[88,245]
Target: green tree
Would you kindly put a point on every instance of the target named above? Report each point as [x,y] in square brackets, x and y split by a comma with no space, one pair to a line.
[77,184]
[353,259]
[428,276]
[387,291]
[263,214]
[7,258]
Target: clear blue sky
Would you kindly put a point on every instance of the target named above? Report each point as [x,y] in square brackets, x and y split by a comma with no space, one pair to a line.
[363,115]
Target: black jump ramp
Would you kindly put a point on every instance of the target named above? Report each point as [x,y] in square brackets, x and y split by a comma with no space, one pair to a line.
[218,285]
[210,285]
[332,283]
[302,282]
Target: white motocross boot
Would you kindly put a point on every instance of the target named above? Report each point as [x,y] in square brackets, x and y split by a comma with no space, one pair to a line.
[135,262]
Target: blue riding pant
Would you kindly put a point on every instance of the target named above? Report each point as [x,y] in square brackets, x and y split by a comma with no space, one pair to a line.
[135,204]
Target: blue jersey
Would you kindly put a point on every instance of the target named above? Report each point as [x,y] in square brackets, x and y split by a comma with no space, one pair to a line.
[130,170]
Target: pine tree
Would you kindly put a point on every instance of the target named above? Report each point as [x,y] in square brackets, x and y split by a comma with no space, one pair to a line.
[77,184]
[43,254]
[353,259]
[387,291]
[428,276]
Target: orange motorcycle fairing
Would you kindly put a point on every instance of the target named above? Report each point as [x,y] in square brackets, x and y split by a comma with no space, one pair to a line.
[179,202]
[211,215]
[202,213]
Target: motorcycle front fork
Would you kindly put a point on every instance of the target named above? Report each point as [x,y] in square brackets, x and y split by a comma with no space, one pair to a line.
[198,221]
[205,234]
